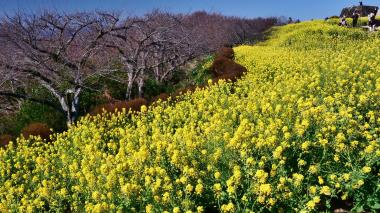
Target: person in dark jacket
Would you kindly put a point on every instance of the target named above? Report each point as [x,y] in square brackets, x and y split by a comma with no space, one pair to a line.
[355,17]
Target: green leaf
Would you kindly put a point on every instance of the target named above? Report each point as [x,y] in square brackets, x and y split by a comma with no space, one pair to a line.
[375,206]
[358,209]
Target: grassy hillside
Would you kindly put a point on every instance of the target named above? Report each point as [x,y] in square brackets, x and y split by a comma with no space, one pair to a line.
[300,132]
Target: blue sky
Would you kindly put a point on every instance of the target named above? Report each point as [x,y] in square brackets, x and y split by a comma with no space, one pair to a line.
[302,9]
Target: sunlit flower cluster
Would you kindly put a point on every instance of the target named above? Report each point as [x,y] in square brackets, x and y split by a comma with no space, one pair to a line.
[300,128]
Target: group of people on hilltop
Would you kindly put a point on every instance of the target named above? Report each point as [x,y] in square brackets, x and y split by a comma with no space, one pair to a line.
[355,17]
[290,21]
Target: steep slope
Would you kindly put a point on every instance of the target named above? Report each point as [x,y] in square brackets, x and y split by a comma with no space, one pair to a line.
[299,132]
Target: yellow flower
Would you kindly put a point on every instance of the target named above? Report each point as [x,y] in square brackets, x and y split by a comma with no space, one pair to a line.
[176,210]
[324,142]
[189,188]
[358,184]
[165,197]
[344,196]
[277,152]
[183,179]
[228,208]
[366,169]
[199,189]
[217,175]
[96,195]
[337,185]
[44,192]
[261,175]
[250,161]
[149,208]
[301,162]
[332,177]
[217,188]
[369,149]
[310,204]
[265,189]
[313,169]
[144,108]
[325,190]
[271,201]
[298,178]
[354,144]
[305,145]
[39,160]
[98,208]
[261,199]
[320,180]
[316,199]
[200,209]
[63,192]
[346,176]
[313,189]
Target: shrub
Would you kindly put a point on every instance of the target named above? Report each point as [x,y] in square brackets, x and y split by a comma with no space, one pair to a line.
[185,90]
[37,129]
[100,108]
[154,88]
[224,68]
[233,76]
[32,112]
[162,97]
[4,140]
[227,52]
[133,105]
[219,65]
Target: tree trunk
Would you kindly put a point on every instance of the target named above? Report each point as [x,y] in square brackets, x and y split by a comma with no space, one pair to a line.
[69,120]
[140,84]
[63,101]
[66,109]
[129,90]
[75,105]
[156,71]
[70,105]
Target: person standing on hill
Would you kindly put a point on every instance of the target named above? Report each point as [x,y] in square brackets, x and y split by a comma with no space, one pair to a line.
[290,20]
[371,21]
[355,17]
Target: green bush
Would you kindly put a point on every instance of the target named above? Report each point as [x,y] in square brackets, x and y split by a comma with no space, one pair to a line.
[201,74]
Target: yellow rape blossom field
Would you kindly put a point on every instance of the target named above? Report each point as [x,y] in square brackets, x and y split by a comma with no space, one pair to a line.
[298,133]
